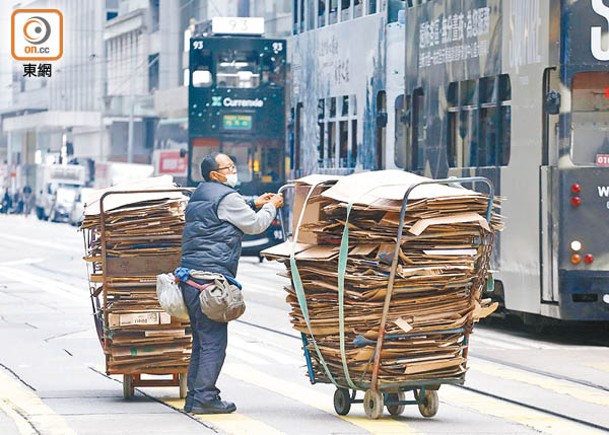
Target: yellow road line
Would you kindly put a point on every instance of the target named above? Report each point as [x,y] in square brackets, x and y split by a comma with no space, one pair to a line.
[603,367]
[23,426]
[579,392]
[234,423]
[27,410]
[539,421]
[312,398]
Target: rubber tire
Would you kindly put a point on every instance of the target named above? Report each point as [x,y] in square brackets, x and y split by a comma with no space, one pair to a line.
[342,401]
[428,405]
[128,387]
[183,385]
[396,410]
[373,404]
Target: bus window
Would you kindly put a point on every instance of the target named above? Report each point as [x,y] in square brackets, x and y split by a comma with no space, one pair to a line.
[201,78]
[321,13]
[310,15]
[321,115]
[371,7]
[237,69]
[273,70]
[418,128]
[332,19]
[298,131]
[353,157]
[381,124]
[345,10]
[294,17]
[200,147]
[401,131]
[331,144]
[243,154]
[357,8]
[589,118]
[343,132]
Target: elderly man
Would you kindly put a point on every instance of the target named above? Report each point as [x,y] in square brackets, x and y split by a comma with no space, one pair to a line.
[217,217]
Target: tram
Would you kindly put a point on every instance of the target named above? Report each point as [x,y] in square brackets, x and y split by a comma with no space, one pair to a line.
[513,90]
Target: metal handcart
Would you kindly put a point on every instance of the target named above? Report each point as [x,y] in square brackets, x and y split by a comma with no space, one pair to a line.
[393,396]
[111,267]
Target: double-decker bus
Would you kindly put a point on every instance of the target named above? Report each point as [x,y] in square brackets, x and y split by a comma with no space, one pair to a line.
[237,106]
[514,90]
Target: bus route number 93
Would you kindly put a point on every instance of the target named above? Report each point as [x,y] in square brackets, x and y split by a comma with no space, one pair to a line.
[277,47]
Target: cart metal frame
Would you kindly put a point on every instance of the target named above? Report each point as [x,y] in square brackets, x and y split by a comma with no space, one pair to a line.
[131,378]
[392,395]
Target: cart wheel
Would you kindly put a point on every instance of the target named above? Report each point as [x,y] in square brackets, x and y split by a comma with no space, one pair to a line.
[396,410]
[342,401]
[373,404]
[128,387]
[428,404]
[183,385]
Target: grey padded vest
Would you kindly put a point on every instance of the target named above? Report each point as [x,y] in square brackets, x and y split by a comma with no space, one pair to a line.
[208,243]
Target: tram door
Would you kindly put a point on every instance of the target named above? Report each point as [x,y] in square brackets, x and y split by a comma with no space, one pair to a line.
[549,187]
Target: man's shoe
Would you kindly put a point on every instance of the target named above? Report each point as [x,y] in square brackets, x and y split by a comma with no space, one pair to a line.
[213,407]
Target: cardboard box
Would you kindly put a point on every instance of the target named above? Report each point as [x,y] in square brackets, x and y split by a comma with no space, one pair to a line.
[143,318]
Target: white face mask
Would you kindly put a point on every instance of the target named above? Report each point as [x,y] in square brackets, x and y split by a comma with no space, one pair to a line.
[231,180]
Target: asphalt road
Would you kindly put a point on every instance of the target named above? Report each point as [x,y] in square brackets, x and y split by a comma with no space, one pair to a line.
[52,373]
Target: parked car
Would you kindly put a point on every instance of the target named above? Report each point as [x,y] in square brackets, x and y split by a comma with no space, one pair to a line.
[78,208]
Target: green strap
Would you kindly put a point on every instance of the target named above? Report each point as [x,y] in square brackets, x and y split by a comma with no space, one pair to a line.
[302,300]
[342,267]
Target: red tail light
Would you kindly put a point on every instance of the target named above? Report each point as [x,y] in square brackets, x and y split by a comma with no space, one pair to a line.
[588,258]
[576,201]
[576,188]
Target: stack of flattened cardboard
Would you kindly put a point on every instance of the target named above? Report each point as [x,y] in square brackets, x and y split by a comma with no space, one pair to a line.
[141,238]
[441,269]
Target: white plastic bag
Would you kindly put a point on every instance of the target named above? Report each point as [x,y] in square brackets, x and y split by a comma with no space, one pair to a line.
[170,296]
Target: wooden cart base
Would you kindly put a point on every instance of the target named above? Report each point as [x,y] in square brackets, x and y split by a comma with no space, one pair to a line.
[130,381]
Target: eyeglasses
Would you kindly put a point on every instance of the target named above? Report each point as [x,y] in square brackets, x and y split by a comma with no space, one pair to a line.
[231,168]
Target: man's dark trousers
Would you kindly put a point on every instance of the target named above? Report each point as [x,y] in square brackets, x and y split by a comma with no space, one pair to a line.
[209,340]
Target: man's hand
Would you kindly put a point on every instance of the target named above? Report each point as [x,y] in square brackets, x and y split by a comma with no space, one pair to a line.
[263,199]
[277,200]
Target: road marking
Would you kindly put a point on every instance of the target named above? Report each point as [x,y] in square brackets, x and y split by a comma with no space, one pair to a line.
[603,367]
[45,284]
[21,262]
[262,350]
[539,421]
[33,415]
[579,392]
[55,246]
[234,423]
[23,426]
[313,398]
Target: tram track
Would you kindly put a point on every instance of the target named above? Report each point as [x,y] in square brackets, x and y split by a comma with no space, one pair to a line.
[502,398]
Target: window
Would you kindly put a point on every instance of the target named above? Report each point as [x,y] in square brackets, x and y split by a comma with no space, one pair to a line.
[321,114]
[237,69]
[345,10]
[336,117]
[418,129]
[201,78]
[298,135]
[402,131]
[371,7]
[332,19]
[273,70]
[358,9]
[321,13]
[381,124]
[479,122]
[201,75]
[589,118]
